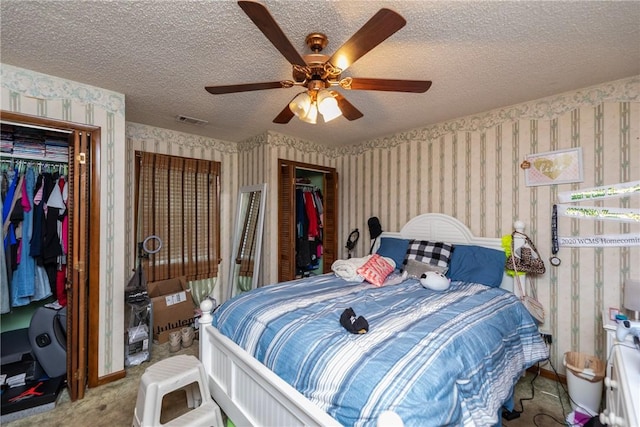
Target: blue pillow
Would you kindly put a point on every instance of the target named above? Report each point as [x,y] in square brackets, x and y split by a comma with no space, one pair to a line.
[476,264]
[393,248]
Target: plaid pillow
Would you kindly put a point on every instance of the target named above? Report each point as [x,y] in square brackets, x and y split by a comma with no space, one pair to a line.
[434,253]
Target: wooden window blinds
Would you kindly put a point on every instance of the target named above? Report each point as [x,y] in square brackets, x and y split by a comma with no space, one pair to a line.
[178,201]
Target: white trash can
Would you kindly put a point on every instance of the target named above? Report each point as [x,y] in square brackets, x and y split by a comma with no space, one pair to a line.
[584,380]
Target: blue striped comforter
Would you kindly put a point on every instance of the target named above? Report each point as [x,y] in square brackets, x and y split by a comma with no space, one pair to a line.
[435,358]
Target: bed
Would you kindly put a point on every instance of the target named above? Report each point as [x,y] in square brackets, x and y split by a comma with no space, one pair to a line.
[278,356]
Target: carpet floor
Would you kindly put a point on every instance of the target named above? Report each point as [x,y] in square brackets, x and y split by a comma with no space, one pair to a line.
[113,404]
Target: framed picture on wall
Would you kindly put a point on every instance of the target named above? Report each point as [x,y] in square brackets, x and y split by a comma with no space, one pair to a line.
[553,167]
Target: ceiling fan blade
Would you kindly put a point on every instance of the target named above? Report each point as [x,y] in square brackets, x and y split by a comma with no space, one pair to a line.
[285,116]
[380,27]
[219,90]
[260,16]
[360,83]
[348,110]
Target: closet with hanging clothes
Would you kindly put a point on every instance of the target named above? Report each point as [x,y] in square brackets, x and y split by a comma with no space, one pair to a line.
[309,224]
[307,218]
[35,193]
[46,200]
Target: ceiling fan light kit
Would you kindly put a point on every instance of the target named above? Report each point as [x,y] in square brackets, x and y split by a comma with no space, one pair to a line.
[301,106]
[317,72]
[307,105]
[327,105]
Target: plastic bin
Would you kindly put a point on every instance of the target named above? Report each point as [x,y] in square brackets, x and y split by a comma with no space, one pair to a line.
[584,379]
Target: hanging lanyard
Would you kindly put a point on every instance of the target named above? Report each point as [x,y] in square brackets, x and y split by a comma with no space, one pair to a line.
[554,260]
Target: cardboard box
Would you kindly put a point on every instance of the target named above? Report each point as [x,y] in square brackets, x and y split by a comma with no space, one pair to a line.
[173,307]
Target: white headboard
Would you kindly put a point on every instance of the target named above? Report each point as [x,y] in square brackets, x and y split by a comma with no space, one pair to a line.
[444,228]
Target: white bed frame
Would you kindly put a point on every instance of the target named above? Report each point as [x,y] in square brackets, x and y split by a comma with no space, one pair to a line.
[252,395]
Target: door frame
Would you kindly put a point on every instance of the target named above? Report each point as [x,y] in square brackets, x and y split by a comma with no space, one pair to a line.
[82,360]
[286,199]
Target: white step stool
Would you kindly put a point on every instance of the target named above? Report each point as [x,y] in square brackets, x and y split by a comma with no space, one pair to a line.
[172,374]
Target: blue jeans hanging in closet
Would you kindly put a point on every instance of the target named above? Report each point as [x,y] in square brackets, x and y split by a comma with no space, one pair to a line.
[30,282]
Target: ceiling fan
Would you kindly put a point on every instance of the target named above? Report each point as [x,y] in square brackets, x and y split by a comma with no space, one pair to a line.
[318,72]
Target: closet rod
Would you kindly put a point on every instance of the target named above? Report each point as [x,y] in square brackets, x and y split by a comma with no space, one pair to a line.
[13,162]
[35,158]
[31,159]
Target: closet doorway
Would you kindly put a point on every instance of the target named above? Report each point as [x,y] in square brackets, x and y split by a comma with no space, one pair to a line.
[307,219]
[81,281]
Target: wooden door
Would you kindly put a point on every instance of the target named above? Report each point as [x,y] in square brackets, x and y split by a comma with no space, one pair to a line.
[286,221]
[77,287]
[287,217]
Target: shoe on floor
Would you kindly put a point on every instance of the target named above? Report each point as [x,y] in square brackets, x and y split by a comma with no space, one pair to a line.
[54,305]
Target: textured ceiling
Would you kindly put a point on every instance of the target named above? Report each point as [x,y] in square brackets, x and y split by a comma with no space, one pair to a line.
[480,55]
